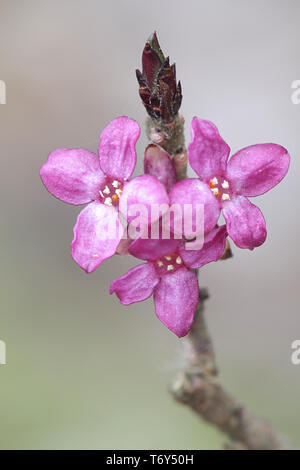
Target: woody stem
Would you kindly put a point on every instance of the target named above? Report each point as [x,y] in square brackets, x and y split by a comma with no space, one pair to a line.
[199,387]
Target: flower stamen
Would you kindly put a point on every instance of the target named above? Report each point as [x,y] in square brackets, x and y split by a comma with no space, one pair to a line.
[108,201]
[216,192]
[217,189]
[111,192]
[213,182]
[169,263]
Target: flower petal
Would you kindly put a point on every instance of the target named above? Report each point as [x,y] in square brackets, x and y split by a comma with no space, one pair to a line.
[207,152]
[97,234]
[258,168]
[72,175]
[212,250]
[143,192]
[150,249]
[157,162]
[176,298]
[117,148]
[245,223]
[192,196]
[136,285]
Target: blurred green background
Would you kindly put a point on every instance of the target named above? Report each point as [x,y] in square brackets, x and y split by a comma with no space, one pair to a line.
[83,371]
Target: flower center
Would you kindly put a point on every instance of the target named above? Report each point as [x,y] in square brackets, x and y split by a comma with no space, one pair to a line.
[168,264]
[220,188]
[110,192]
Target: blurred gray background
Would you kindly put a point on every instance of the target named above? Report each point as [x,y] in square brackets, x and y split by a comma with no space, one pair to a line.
[83,371]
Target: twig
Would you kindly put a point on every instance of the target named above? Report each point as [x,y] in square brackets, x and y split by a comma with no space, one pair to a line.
[199,387]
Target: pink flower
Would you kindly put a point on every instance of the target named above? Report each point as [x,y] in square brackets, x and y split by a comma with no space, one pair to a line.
[78,176]
[225,185]
[167,275]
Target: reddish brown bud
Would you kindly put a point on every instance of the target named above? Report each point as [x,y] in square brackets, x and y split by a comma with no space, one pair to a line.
[159,91]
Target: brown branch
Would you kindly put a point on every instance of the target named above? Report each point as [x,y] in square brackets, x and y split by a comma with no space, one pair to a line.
[199,387]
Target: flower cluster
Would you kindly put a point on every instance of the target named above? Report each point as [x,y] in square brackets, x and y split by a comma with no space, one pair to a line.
[104,182]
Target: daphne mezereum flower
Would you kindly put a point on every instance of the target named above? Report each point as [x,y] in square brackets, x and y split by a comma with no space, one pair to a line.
[167,274]
[225,185]
[78,176]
